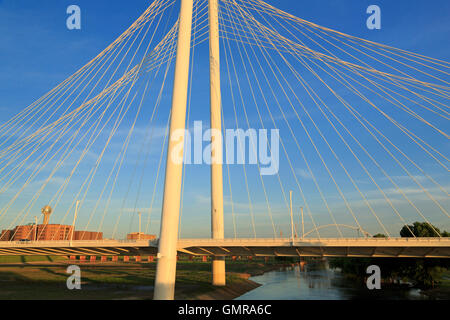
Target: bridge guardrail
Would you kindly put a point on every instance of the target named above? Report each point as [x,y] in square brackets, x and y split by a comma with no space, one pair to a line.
[232,241]
[418,239]
[68,243]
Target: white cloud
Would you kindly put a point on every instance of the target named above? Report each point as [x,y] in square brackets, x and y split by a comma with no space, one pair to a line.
[303,173]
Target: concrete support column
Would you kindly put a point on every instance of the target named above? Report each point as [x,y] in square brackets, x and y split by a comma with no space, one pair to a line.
[217,227]
[167,251]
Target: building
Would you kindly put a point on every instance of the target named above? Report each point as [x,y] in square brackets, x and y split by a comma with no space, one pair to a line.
[5,235]
[41,232]
[26,232]
[140,236]
[47,232]
[87,235]
[23,232]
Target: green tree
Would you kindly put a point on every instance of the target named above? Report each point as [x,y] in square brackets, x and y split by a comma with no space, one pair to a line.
[379,235]
[420,229]
[423,272]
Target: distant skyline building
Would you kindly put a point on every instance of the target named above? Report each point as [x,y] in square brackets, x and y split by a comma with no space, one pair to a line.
[140,236]
[47,232]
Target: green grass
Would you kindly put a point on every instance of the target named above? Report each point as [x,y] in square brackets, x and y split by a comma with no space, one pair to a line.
[445,281]
[29,259]
[114,281]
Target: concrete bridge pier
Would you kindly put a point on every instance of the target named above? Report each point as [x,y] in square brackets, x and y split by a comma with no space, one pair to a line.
[218,271]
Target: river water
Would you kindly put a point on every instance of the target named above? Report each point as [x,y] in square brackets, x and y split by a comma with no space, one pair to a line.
[320,284]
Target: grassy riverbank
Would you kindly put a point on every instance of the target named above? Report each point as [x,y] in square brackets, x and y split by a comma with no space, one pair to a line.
[442,291]
[46,280]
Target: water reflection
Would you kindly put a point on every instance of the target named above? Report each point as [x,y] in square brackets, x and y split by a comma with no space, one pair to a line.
[320,283]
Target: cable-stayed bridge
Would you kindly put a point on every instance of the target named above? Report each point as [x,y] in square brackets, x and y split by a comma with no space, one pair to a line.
[335,247]
[357,138]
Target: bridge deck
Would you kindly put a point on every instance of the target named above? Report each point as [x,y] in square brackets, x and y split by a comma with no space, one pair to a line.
[324,247]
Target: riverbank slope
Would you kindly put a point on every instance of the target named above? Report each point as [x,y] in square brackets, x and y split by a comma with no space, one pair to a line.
[46,280]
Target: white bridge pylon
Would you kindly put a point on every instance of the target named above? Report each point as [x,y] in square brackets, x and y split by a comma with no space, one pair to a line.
[166,268]
[170,216]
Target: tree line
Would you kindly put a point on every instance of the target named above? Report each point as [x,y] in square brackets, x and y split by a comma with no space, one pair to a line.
[422,272]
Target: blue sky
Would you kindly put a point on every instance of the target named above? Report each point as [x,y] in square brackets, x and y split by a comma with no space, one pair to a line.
[37,52]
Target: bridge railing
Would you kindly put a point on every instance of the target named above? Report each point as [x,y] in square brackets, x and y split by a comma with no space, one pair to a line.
[421,239]
[318,242]
[69,243]
[234,242]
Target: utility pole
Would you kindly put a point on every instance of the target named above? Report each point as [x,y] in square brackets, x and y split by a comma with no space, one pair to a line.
[217,226]
[170,216]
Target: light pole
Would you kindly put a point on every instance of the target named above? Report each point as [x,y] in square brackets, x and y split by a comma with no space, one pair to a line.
[292,218]
[139,234]
[74,219]
[35,228]
[303,225]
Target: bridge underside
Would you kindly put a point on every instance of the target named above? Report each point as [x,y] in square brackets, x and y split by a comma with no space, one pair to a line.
[79,251]
[389,248]
[372,247]
[388,252]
